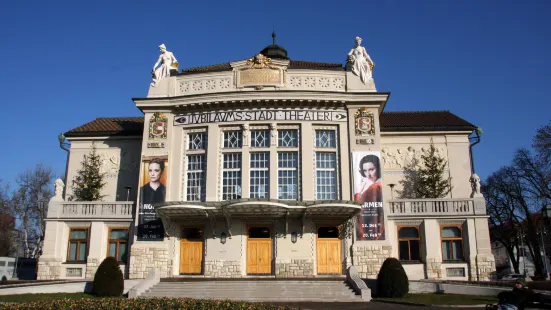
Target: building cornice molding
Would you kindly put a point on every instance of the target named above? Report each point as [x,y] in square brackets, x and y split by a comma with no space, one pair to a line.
[301,97]
[90,136]
[425,133]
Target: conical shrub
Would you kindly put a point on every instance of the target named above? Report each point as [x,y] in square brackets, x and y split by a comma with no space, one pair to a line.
[108,280]
[392,280]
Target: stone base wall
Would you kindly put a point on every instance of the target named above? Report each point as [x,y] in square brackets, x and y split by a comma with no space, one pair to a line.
[49,269]
[92,265]
[485,265]
[294,267]
[223,269]
[368,259]
[433,267]
[143,260]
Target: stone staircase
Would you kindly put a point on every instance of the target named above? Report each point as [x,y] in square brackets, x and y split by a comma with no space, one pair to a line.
[269,290]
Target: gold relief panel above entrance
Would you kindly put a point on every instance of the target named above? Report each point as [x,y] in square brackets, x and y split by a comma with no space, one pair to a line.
[260,72]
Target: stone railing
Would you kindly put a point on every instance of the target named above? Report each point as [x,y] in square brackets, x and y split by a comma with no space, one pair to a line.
[434,207]
[91,209]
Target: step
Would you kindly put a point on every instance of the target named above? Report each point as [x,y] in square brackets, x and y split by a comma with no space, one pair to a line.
[259,284]
[326,290]
[293,286]
[283,299]
[278,288]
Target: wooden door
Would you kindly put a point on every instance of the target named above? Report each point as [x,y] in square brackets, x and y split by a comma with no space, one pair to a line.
[328,253]
[259,252]
[191,251]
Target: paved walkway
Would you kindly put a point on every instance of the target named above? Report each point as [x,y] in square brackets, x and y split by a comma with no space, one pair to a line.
[361,306]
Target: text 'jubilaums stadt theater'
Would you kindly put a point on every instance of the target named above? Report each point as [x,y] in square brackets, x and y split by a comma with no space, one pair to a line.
[269,166]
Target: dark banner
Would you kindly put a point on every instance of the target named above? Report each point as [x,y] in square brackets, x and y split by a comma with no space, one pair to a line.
[152,190]
[368,190]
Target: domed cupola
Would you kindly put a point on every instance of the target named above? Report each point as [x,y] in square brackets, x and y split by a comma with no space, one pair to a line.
[274,51]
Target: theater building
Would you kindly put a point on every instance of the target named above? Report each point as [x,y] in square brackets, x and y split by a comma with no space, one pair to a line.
[269,166]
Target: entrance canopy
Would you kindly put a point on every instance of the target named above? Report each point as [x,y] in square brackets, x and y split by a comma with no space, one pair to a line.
[336,211]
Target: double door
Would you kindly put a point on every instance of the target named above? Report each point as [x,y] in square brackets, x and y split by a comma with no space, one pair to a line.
[191,251]
[259,251]
[328,245]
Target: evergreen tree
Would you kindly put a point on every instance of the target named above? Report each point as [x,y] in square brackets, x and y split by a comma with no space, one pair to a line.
[89,181]
[431,182]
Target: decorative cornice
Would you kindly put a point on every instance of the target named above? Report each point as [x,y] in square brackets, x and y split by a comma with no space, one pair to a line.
[297,97]
[404,222]
[452,221]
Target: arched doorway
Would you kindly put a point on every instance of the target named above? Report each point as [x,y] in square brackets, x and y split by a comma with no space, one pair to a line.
[328,248]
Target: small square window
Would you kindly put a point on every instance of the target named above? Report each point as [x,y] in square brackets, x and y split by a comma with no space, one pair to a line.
[233,139]
[287,138]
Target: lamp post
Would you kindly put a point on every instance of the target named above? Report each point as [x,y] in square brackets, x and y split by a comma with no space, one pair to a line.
[392,190]
[64,145]
[128,188]
[523,252]
[546,215]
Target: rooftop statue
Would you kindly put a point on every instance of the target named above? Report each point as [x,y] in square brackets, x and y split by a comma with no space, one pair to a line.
[167,61]
[475,185]
[58,190]
[360,62]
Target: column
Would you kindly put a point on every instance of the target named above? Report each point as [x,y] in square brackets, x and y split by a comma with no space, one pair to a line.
[307,178]
[433,249]
[213,163]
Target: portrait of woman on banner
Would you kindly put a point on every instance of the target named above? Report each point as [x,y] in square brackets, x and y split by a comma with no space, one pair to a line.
[154,190]
[370,191]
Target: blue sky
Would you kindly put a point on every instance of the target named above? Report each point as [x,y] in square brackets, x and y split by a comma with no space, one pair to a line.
[64,63]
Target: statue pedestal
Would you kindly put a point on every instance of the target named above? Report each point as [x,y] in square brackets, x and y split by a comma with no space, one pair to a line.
[354,84]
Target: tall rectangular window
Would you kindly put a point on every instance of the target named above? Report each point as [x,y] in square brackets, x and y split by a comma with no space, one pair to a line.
[196,181]
[260,175]
[408,243]
[452,243]
[233,139]
[260,138]
[118,244]
[78,245]
[326,150]
[287,175]
[326,176]
[231,176]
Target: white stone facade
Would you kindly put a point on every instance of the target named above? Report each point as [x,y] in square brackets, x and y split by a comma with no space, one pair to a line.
[295,249]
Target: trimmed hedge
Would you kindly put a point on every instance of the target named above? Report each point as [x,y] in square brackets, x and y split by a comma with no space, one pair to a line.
[142,304]
[108,280]
[392,280]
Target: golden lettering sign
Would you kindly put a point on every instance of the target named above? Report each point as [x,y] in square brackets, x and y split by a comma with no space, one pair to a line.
[260,77]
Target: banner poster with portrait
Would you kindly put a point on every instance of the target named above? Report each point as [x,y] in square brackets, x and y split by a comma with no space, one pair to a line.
[153,186]
[368,190]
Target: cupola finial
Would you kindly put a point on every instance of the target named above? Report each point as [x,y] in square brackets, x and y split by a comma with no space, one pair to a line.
[273,37]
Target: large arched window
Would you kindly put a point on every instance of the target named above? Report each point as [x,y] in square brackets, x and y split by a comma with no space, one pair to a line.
[409,243]
[452,243]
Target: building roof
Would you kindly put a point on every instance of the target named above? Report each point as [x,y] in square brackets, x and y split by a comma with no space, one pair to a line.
[390,121]
[293,64]
[423,121]
[120,126]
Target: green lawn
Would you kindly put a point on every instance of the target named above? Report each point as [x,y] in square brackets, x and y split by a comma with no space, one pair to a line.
[444,299]
[41,297]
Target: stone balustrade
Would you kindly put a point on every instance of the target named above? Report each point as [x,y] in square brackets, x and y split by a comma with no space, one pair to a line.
[432,207]
[91,209]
